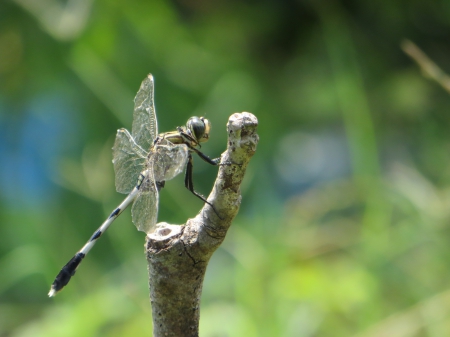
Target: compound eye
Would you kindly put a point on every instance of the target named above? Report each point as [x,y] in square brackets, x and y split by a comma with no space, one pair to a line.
[207,130]
[196,127]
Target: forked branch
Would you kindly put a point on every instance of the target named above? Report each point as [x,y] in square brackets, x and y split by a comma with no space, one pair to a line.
[177,256]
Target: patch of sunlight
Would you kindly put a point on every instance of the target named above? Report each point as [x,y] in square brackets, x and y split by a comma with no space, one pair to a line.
[85,317]
[340,285]
[216,321]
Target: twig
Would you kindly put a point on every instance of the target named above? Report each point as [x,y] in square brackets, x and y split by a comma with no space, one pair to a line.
[429,68]
[177,256]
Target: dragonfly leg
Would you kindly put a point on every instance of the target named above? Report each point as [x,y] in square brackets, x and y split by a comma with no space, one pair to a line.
[188,182]
[215,161]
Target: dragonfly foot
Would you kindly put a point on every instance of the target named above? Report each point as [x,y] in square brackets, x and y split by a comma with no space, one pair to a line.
[214,209]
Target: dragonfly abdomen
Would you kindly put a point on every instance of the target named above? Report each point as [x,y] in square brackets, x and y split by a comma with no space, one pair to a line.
[66,273]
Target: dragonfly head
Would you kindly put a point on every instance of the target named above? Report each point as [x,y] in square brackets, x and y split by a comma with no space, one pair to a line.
[199,128]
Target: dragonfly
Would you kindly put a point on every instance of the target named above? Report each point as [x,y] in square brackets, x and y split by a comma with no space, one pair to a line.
[143,161]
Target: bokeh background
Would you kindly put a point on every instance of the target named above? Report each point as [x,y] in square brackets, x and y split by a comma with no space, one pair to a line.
[344,227]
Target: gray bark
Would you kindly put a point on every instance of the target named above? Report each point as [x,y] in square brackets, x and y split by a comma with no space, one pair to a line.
[177,256]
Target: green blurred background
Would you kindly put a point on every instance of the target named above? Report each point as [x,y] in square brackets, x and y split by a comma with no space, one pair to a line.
[344,224]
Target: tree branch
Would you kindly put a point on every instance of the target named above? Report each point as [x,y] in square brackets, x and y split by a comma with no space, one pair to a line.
[177,256]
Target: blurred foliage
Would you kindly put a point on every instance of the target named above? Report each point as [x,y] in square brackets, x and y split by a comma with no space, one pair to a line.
[344,223]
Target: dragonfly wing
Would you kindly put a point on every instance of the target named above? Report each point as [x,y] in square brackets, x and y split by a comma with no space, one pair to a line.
[145,125]
[165,161]
[145,208]
[128,159]
[168,160]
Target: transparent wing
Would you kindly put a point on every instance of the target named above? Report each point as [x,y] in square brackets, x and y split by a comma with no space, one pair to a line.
[128,159]
[145,125]
[145,208]
[168,160]
[164,162]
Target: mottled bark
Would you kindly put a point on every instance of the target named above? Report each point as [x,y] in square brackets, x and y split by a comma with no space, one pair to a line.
[177,256]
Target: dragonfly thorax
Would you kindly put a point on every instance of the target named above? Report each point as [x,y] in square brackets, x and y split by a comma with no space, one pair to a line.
[198,128]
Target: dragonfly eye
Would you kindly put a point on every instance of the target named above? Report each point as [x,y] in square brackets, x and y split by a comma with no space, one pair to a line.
[199,128]
[207,130]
